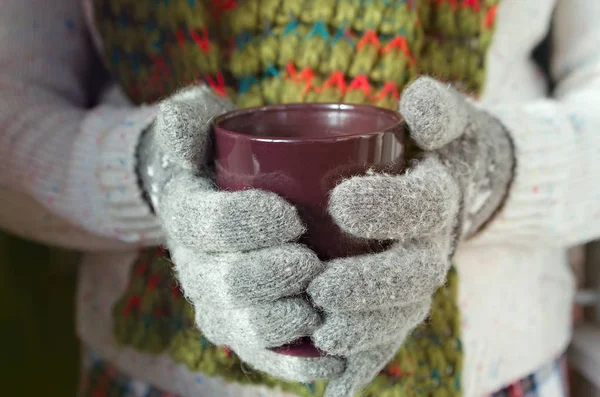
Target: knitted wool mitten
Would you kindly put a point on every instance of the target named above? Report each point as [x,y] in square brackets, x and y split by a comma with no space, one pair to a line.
[237,264]
[233,251]
[372,302]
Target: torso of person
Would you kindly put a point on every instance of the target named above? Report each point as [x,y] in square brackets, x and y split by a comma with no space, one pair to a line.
[514,301]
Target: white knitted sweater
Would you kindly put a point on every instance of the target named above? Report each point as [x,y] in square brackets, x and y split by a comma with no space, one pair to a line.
[67,178]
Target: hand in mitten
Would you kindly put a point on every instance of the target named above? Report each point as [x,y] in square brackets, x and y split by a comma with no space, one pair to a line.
[234,252]
[372,302]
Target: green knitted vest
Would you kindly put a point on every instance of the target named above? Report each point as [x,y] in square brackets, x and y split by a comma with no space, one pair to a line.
[284,51]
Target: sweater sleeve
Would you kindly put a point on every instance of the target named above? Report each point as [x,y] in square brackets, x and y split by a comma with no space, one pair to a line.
[67,175]
[555,196]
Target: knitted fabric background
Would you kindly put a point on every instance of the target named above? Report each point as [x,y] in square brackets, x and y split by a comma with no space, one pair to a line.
[101,379]
[273,51]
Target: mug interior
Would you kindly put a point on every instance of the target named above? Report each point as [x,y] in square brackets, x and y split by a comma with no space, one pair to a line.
[309,121]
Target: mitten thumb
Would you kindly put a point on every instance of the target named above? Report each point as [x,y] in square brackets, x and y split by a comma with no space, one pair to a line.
[182,128]
[435,113]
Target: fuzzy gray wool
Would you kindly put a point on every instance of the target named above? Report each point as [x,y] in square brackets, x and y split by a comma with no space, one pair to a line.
[238,264]
[371,301]
[234,252]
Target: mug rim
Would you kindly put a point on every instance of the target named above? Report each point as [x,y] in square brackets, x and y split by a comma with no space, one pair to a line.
[216,124]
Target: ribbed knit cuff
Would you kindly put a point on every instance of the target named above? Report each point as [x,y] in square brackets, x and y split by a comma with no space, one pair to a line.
[544,146]
[105,169]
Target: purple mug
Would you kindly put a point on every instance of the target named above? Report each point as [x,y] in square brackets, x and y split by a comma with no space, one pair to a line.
[301,152]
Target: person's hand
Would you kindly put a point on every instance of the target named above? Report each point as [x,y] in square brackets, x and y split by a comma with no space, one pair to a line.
[372,302]
[234,252]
